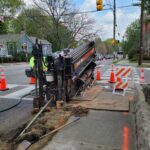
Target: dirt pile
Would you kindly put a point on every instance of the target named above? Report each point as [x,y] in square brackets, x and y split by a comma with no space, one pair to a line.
[77,110]
[46,122]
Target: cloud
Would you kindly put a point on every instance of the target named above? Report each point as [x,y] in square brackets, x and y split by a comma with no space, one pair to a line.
[29,3]
[88,5]
[104,20]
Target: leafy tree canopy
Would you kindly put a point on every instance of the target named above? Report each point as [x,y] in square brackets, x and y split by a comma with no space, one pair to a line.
[10,7]
[132,40]
[147,5]
[35,23]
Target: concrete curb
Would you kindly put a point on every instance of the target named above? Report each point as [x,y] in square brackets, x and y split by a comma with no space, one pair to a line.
[142,120]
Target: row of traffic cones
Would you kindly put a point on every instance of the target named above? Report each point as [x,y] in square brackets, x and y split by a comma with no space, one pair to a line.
[113,77]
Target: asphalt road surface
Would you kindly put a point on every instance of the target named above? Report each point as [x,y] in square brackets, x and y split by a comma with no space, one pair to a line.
[15,73]
[110,126]
[18,84]
[147,75]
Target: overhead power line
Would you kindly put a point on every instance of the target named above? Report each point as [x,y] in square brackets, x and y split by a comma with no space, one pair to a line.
[93,11]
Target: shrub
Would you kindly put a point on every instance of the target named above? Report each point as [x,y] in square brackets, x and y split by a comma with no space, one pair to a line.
[146,90]
[132,54]
[146,57]
[6,59]
[19,57]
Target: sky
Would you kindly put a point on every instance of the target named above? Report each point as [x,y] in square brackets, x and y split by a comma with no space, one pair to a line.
[104,19]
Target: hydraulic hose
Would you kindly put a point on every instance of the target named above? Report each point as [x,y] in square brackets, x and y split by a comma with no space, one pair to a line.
[16,104]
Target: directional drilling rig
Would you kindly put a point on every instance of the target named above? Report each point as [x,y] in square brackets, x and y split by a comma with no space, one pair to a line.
[68,74]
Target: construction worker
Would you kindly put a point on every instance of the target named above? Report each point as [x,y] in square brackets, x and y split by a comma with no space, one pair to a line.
[32,63]
[38,64]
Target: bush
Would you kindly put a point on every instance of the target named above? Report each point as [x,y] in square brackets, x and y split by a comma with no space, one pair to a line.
[132,54]
[18,57]
[6,59]
[146,90]
[21,57]
[146,57]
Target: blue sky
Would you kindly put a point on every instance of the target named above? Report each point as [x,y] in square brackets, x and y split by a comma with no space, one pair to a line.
[104,19]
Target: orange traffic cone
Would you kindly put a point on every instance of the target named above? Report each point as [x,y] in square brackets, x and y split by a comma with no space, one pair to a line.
[3,85]
[32,80]
[98,74]
[142,78]
[112,75]
[119,79]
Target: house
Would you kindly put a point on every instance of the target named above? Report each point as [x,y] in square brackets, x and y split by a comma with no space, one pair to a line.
[147,35]
[15,43]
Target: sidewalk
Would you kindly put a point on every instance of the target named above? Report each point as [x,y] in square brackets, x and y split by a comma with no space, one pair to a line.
[11,64]
[100,129]
[133,64]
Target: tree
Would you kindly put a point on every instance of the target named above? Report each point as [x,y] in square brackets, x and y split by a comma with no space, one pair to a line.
[36,23]
[10,7]
[131,43]
[81,27]
[62,14]
[147,6]
[33,22]
[3,27]
[55,9]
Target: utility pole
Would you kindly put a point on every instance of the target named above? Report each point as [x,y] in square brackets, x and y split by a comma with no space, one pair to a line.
[141,35]
[114,22]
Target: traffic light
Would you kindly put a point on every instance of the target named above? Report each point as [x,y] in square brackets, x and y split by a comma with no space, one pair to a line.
[99,5]
[114,42]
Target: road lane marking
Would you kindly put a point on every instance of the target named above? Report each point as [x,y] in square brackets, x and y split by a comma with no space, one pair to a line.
[125,145]
[19,93]
[147,68]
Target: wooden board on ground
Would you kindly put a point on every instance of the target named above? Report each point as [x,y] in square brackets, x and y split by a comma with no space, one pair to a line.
[89,94]
[113,105]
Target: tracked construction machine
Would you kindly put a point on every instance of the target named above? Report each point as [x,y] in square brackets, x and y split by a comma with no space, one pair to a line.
[67,74]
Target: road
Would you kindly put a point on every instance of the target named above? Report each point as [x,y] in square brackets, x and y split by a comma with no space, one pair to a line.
[147,75]
[100,130]
[15,74]
[18,85]
[104,127]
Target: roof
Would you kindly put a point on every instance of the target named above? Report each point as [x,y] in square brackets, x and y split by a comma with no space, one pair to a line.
[40,40]
[16,37]
[9,37]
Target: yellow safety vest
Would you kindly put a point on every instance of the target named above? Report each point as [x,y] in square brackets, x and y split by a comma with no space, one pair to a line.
[31,63]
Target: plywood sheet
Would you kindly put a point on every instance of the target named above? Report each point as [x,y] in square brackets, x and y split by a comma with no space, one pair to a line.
[114,105]
[88,95]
